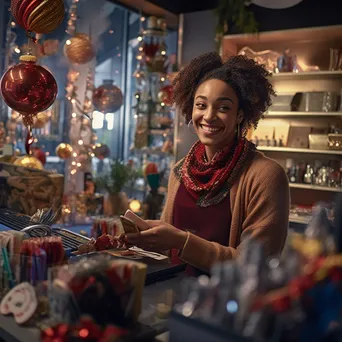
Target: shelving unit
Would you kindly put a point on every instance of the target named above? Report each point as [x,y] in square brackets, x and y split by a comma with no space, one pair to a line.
[312,75]
[283,114]
[314,187]
[297,150]
[312,48]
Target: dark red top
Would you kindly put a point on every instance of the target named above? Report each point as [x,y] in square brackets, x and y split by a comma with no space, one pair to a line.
[211,223]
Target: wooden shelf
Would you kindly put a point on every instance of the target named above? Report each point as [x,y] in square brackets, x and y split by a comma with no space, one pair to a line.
[297,150]
[314,187]
[325,33]
[307,75]
[305,114]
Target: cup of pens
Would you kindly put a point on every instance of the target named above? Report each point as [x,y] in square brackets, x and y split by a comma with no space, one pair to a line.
[30,263]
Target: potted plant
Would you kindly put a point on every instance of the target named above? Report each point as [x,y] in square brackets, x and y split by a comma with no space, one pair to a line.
[234,13]
[112,182]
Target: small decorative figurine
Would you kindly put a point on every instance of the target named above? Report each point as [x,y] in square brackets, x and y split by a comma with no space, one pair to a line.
[287,62]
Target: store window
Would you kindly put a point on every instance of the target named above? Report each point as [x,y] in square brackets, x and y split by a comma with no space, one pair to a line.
[114,35]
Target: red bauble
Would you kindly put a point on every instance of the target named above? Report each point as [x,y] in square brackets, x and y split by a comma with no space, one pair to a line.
[101,151]
[165,95]
[150,169]
[107,98]
[28,88]
[39,154]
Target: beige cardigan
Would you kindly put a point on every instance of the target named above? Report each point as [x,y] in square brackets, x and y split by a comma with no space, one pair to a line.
[259,203]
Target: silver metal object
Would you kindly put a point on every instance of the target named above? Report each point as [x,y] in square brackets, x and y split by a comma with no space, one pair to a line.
[45,217]
[38,229]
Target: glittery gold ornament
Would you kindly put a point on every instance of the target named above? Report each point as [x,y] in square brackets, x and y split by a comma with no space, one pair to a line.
[64,151]
[30,162]
[40,120]
[38,16]
[79,49]
[46,17]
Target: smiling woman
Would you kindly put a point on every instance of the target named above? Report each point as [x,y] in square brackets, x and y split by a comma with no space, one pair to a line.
[223,191]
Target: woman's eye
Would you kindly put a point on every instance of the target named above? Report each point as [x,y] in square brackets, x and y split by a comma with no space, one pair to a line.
[200,105]
[224,108]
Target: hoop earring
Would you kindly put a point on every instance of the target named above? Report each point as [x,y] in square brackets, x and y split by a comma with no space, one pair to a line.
[238,129]
[191,124]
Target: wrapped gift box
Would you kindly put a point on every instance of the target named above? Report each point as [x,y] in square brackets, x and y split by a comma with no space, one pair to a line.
[25,190]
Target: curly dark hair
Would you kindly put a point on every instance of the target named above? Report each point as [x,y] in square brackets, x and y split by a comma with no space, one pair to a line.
[248,79]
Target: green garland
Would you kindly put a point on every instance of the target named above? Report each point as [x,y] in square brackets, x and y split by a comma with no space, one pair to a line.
[236,12]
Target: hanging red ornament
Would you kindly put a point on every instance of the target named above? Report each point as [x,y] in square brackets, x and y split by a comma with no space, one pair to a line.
[150,168]
[37,15]
[39,154]
[107,98]
[165,95]
[28,88]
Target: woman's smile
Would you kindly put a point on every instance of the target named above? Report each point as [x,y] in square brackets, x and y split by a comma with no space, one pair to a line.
[210,129]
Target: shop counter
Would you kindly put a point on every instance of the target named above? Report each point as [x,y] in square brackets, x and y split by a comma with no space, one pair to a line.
[10,331]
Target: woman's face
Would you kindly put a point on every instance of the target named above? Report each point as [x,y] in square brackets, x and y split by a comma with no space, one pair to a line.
[215,113]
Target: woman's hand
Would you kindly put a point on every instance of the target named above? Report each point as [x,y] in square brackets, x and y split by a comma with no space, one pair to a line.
[160,237]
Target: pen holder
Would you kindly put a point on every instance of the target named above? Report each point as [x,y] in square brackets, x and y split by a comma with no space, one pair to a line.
[23,288]
[29,269]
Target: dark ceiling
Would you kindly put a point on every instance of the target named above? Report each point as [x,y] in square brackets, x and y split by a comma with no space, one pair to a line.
[308,13]
[185,6]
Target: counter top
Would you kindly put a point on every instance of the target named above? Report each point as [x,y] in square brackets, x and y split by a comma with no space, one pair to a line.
[11,332]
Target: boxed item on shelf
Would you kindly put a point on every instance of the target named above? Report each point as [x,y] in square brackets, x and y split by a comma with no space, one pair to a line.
[298,137]
[25,190]
[335,141]
[318,101]
[283,102]
[311,102]
[318,141]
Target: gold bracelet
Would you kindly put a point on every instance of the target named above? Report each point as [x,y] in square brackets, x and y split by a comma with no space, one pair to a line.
[186,241]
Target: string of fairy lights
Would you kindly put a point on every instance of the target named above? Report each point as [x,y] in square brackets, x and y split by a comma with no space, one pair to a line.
[82,149]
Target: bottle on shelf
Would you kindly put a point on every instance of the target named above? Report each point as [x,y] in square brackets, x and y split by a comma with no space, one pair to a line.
[309,174]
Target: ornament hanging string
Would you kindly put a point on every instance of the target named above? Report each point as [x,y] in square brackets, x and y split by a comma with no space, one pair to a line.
[28,140]
[35,89]
[28,120]
[31,38]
